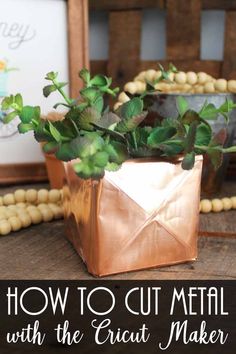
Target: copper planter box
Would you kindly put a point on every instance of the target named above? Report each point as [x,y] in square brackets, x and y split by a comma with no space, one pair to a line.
[144,215]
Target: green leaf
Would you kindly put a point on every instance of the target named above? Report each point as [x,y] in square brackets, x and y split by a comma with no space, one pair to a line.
[88,144]
[19,100]
[61,104]
[99,80]
[51,75]
[62,84]
[191,137]
[47,90]
[188,161]
[160,135]
[129,124]
[190,116]
[132,108]
[84,74]
[88,117]
[67,151]
[24,128]
[117,152]
[209,112]
[9,117]
[216,157]
[55,133]
[90,94]
[171,148]
[182,105]
[100,158]
[7,102]
[108,119]
[86,169]
[51,147]
[28,113]
[112,166]
[203,135]
[98,104]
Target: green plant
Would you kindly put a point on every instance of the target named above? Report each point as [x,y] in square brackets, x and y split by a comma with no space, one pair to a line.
[103,140]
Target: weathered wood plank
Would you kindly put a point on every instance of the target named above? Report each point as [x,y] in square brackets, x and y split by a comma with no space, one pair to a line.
[124,44]
[23,172]
[229,65]
[125,4]
[219,4]
[78,42]
[183,29]
[144,4]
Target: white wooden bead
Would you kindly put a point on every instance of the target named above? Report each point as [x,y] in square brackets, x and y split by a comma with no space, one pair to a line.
[117,105]
[5,227]
[233,200]
[1,201]
[198,89]
[10,213]
[180,77]
[2,208]
[22,205]
[130,87]
[47,214]
[157,75]
[227,203]
[121,98]
[202,78]
[140,87]
[8,199]
[19,195]
[141,75]
[150,75]
[57,211]
[206,206]
[31,208]
[42,206]
[31,195]
[25,220]
[221,85]
[36,216]
[209,87]
[3,215]
[42,196]
[191,77]
[54,195]
[15,223]
[231,86]
[217,205]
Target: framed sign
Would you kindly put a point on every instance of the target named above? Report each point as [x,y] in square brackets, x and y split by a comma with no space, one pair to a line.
[37,36]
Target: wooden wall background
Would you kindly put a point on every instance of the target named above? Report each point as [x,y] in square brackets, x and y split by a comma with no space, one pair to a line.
[183,37]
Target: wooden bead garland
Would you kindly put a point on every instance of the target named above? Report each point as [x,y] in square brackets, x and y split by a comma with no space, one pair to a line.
[22,208]
[217,205]
[190,82]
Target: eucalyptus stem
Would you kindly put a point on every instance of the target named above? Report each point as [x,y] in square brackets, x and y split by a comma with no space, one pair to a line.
[59,89]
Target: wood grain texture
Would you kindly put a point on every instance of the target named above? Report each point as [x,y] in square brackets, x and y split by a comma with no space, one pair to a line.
[22,173]
[125,4]
[43,252]
[229,65]
[77,42]
[183,29]
[143,4]
[124,45]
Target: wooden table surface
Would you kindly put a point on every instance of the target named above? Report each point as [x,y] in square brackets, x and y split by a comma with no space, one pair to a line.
[43,252]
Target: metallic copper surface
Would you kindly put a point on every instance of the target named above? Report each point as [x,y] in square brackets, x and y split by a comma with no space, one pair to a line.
[144,215]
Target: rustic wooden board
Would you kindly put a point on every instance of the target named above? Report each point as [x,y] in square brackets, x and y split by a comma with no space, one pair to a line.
[23,173]
[124,46]
[183,29]
[78,42]
[43,252]
[144,4]
[229,65]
